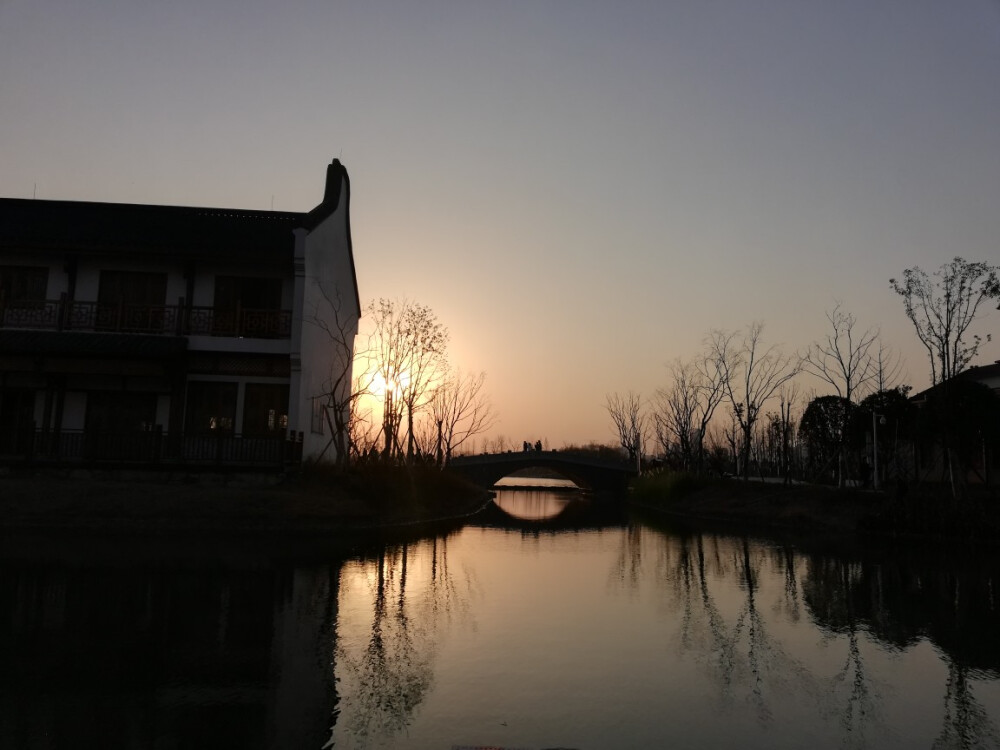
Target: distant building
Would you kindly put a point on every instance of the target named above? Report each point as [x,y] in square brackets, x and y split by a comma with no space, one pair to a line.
[985,462]
[166,333]
[988,375]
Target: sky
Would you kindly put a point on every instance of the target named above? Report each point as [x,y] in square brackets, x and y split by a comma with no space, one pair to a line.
[581,191]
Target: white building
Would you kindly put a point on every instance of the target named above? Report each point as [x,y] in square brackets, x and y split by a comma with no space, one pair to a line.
[177,334]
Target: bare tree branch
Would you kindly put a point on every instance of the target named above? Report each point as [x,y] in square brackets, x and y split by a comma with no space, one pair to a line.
[681,414]
[408,355]
[844,358]
[626,413]
[752,375]
[943,309]
[461,410]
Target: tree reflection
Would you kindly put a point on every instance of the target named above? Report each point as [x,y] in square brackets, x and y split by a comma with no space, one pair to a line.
[836,585]
[908,596]
[768,664]
[966,723]
[790,604]
[628,565]
[728,629]
[722,643]
[393,668]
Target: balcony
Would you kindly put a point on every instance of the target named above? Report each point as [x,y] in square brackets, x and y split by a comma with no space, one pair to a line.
[168,320]
[79,447]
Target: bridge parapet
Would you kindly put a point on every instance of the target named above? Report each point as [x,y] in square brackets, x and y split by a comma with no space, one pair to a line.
[586,471]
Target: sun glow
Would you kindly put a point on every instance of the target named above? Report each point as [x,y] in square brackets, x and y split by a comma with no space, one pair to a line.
[380,386]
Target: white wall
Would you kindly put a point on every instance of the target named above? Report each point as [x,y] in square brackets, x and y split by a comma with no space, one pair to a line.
[324,261]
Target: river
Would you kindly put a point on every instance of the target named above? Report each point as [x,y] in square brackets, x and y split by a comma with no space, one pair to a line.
[549,620]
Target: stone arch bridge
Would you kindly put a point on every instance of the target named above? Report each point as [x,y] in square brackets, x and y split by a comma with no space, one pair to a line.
[584,471]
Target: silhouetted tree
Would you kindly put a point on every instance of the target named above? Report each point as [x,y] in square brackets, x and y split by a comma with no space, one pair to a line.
[461,410]
[681,413]
[888,368]
[845,358]
[942,312]
[823,431]
[626,413]
[408,354]
[943,309]
[788,397]
[895,437]
[498,444]
[752,374]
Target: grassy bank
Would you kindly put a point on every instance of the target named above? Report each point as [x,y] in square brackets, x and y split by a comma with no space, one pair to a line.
[798,507]
[919,511]
[320,500]
[924,510]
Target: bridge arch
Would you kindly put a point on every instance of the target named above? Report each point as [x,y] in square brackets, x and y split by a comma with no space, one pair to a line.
[584,471]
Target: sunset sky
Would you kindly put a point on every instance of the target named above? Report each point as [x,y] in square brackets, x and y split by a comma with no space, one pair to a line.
[580,190]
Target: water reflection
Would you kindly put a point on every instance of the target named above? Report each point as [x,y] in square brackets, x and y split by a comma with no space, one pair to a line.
[113,657]
[716,585]
[893,601]
[394,608]
[582,629]
[909,596]
[532,505]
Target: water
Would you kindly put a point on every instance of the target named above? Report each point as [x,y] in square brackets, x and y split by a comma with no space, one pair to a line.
[554,622]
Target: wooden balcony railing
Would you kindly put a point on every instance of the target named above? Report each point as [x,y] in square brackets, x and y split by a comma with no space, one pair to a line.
[170,320]
[149,447]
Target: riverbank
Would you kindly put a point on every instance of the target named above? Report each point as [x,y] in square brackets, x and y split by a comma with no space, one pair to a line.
[320,501]
[923,511]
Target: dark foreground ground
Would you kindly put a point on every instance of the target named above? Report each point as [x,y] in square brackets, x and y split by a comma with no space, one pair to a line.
[329,502]
[318,503]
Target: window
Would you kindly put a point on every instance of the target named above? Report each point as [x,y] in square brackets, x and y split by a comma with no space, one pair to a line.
[17,415]
[22,298]
[265,409]
[247,292]
[211,407]
[318,415]
[247,306]
[120,426]
[23,284]
[119,412]
[131,301]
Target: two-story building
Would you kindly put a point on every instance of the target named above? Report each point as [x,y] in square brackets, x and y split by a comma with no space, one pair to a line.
[178,334]
[981,448]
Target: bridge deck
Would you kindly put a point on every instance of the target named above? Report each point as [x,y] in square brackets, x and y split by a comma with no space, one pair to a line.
[585,471]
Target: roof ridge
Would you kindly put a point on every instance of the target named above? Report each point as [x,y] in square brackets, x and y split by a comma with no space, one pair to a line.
[198,210]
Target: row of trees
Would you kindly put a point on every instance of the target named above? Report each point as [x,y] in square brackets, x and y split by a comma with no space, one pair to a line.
[394,396]
[737,402]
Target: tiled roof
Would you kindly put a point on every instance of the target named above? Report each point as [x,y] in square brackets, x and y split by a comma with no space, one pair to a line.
[981,372]
[984,374]
[77,343]
[179,231]
[126,227]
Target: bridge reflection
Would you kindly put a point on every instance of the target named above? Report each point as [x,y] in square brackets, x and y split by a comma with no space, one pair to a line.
[537,511]
[531,504]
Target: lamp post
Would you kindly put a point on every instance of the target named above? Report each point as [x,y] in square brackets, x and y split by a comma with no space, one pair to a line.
[877,419]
